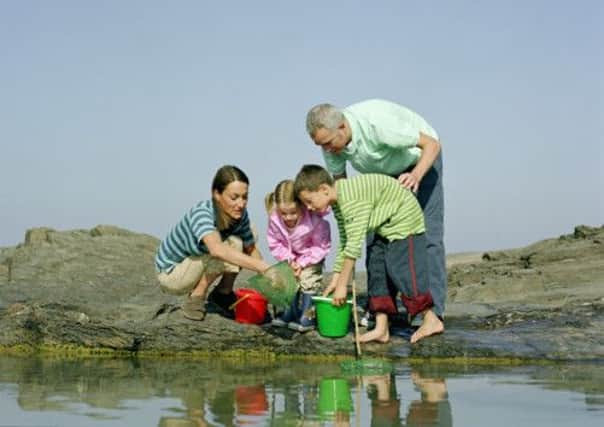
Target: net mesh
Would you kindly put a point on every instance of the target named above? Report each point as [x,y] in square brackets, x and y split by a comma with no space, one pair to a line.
[366,366]
[278,284]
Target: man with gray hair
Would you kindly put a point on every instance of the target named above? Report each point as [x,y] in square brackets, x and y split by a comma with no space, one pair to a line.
[378,136]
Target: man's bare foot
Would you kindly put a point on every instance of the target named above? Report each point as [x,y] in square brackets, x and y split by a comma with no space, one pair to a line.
[381,331]
[431,325]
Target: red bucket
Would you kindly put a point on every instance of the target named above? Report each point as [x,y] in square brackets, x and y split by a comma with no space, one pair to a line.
[251,400]
[252,309]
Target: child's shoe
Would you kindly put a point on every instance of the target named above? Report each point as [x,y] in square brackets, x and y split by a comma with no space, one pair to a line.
[289,315]
[222,302]
[306,321]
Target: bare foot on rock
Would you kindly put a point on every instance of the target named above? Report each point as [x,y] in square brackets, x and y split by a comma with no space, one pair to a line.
[374,335]
[380,333]
[431,325]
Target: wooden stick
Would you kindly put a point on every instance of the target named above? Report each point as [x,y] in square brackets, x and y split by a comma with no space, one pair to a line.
[354,315]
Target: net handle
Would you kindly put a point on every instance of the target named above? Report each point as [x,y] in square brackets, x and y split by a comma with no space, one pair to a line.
[355,315]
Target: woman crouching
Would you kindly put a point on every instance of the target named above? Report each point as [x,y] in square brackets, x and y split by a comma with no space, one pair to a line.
[213,239]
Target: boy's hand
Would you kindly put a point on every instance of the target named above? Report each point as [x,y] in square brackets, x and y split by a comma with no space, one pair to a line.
[339,295]
[332,284]
[329,289]
[339,290]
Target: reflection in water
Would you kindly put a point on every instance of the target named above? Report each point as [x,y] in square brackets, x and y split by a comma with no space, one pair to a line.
[432,409]
[335,402]
[385,402]
[233,393]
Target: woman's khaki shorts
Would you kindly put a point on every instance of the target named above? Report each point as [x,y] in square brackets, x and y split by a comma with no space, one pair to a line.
[186,275]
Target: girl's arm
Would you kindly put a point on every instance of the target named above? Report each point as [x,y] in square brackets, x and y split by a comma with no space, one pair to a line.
[277,243]
[321,244]
[221,250]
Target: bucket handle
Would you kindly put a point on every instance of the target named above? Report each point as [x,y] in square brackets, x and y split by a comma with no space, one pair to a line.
[232,306]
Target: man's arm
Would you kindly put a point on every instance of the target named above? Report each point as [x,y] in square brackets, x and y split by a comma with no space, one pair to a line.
[430,148]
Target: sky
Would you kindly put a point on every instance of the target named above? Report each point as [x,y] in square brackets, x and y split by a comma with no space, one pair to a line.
[120,112]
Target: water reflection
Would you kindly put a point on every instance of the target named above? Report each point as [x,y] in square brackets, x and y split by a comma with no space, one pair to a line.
[431,409]
[233,393]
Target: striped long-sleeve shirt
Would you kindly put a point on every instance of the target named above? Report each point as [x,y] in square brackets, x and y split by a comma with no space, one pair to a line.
[373,203]
[184,240]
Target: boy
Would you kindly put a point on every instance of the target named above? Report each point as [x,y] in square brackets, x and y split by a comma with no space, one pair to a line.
[379,204]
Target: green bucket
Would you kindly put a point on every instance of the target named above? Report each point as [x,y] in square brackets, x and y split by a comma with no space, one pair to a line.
[332,321]
[334,396]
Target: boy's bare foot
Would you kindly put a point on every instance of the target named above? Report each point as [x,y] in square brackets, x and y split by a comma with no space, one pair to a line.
[433,389]
[374,335]
[380,333]
[431,325]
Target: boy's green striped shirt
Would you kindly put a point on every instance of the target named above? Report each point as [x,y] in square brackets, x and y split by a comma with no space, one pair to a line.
[373,203]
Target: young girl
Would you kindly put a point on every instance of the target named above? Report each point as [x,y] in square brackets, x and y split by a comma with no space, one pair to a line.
[301,238]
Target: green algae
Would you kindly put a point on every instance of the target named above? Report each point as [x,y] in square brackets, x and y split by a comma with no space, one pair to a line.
[68,351]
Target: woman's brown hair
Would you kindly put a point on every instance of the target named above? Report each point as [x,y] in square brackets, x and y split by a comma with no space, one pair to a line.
[224,176]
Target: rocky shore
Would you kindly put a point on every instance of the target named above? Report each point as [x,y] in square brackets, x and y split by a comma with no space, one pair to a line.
[95,291]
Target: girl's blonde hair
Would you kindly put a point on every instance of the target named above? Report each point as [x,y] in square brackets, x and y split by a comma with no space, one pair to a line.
[283,193]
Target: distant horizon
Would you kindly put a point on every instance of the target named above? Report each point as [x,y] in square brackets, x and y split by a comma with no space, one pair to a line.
[121,112]
[267,255]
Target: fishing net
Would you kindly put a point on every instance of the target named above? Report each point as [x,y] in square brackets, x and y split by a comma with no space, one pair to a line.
[278,284]
[361,365]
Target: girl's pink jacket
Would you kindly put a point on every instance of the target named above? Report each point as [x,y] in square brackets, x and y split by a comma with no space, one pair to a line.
[306,244]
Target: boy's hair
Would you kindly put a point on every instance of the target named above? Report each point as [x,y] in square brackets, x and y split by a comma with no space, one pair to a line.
[310,178]
[283,193]
[323,116]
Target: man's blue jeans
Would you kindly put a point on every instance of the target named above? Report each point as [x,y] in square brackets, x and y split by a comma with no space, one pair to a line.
[432,201]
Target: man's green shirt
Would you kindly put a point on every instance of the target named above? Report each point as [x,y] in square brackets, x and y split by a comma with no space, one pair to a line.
[384,138]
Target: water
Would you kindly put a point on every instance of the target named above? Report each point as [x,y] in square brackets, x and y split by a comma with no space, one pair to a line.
[38,392]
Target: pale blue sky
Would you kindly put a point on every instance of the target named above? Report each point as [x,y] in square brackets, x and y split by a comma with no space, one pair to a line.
[120,112]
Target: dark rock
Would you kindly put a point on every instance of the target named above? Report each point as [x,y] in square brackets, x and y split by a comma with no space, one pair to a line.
[97,290]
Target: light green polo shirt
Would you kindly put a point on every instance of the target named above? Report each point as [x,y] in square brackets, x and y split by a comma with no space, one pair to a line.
[373,203]
[384,138]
